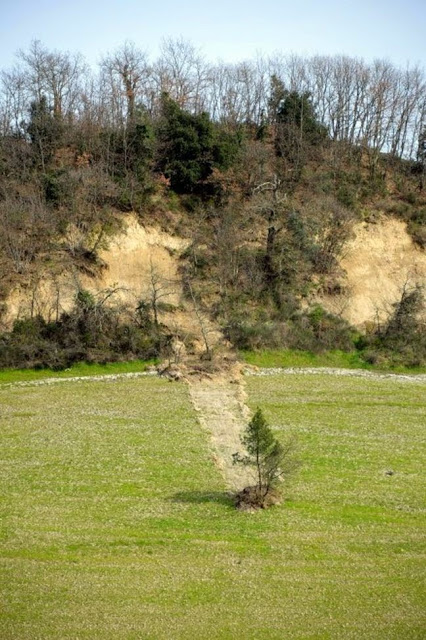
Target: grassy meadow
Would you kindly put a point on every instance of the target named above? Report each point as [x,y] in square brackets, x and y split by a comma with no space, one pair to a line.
[115,522]
[79,369]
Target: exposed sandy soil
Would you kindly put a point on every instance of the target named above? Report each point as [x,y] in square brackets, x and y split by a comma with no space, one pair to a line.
[220,403]
[136,259]
[133,258]
[138,255]
[378,261]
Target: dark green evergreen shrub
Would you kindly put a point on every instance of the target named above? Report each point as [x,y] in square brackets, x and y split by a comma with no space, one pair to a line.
[271,461]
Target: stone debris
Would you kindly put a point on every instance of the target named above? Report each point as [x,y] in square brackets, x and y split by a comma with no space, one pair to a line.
[355,373]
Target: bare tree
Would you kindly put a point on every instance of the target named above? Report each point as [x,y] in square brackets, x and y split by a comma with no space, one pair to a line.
[270,202]
[182,73]
[126,73]
[156,291]
[202,321]
[21,222]
[55,75]
[15,101]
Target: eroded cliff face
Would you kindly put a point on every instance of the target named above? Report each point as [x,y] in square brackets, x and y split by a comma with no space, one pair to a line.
[378,260]
[138,261]
[135,258]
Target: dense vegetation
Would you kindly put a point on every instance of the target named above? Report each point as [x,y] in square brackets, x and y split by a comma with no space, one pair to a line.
[91,332]
[264,165]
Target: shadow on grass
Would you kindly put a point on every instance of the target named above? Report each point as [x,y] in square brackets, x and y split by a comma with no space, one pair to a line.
[202,497]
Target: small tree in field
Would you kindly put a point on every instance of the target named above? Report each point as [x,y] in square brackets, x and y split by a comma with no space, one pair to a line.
[270,459]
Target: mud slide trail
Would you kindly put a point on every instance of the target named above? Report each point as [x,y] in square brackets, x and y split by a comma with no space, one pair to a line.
[221,408]
[220,403]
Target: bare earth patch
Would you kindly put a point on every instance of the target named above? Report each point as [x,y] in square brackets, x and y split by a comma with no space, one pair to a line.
[378,261]
[220,403]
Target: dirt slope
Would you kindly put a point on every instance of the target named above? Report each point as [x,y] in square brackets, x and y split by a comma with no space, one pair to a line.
[378,260]
[220,403]
[133,257]
[136,256]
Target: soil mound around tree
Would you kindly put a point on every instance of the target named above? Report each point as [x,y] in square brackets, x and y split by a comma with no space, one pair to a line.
[252,498]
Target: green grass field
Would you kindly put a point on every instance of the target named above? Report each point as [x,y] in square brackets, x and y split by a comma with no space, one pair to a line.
[116,523]
[80,369]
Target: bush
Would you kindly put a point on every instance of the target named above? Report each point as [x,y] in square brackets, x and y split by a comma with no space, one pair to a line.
[416,226]
[402,341]
[314,330]
[91,332]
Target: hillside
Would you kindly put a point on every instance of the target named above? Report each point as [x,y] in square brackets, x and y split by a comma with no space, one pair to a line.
[137,220]
[375,263]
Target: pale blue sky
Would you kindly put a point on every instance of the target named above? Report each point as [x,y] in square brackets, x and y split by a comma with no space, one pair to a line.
[227,29]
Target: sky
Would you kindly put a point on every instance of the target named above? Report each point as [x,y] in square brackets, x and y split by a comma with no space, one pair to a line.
[229,30]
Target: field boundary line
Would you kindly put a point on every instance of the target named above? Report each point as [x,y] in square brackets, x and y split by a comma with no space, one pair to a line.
[107,377]
[355,373]
[247,371]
